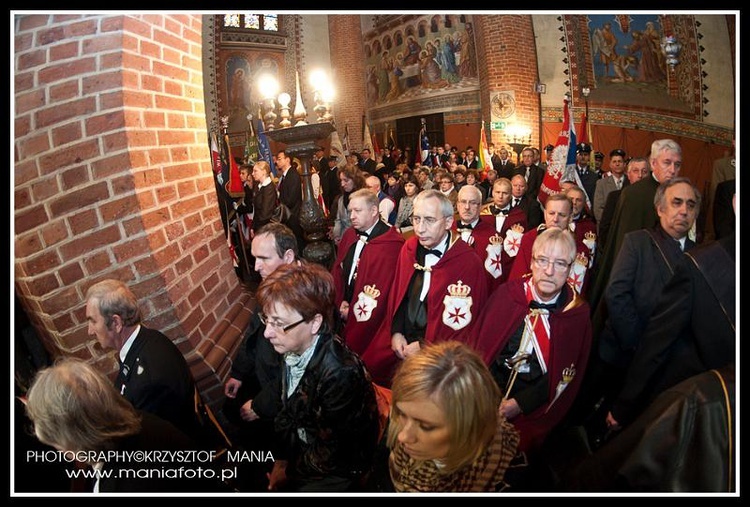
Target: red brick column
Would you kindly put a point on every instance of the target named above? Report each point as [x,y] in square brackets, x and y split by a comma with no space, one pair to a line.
[347,63]
[113,180]
[507,60]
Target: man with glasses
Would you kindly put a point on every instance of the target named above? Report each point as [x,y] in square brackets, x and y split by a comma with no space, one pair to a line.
[252,399]
[438,287]
[535,335]
[558,212]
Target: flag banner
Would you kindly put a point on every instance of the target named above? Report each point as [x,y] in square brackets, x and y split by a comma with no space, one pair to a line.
[583,136]
[337,149]
[234,185]
[563,157]
[485,159]
[251,145]
[264,149]
[367,141]
[391,139]
[423,145]
[345,140]
[216,158]
[375,145]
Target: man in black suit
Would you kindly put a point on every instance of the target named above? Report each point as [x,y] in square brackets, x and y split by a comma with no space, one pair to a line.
[635,208]
[643,267]
[367,164]
[691,330]
[533,174]
[289,188]
[532,208]
[154,375]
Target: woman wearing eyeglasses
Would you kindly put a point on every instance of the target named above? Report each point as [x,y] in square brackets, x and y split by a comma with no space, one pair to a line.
[535,335]
[329,418]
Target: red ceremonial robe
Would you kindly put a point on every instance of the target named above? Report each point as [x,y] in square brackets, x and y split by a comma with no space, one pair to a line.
[458,263]
[516,216]
[522,264]
[570,344]
[375,269]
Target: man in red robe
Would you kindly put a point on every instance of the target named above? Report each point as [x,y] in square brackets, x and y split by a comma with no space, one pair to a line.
[439,286]
[363,271]
[510,223]
[535,335]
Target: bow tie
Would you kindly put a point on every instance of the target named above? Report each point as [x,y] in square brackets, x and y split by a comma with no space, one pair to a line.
[427,251]
[495,211]
[536,305]
[362,233]
[460,226]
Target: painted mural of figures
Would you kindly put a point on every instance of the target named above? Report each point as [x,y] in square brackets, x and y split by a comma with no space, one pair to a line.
[385,68]
[239,91]
[605,43]
[412,51]
[468,65]
[654,38]
[431,75]
[446,60]
[395,73]
[649,70]
[372,85]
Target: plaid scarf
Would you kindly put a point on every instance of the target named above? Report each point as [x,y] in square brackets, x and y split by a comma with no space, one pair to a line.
[484,474]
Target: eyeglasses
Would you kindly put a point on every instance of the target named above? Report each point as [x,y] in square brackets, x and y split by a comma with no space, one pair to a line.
[559,266]
[276,325]
[472,204]
[428,221]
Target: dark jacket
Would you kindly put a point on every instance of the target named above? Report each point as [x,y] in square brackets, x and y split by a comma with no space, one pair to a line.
[157,379]
[683,442]
[264,202]
[643,267]
[335,404]
[691,330]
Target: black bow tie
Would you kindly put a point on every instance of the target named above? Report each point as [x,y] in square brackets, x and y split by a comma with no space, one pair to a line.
[460,226]
[536,305]
[495,211]
[427,251]
[362,233]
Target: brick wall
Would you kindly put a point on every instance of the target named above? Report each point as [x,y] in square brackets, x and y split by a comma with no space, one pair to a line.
[507,49]
[347,65]
[113,180]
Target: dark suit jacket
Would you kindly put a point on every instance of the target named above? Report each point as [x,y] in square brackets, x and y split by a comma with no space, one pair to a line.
[290,191]
[532,208]
[264,202]
[369,166]
[589,183]
[692,328]
[635,210]
[641,271]
[534,183]
[606,221]
[724,217]
[158,380]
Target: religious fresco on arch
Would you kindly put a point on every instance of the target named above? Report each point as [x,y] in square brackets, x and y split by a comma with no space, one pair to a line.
[619,57]
[422,55]
[627,49]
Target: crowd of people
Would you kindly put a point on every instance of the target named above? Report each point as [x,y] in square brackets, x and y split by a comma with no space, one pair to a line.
[462,332]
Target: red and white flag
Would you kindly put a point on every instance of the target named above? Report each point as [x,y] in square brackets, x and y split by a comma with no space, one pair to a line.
[563,156]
